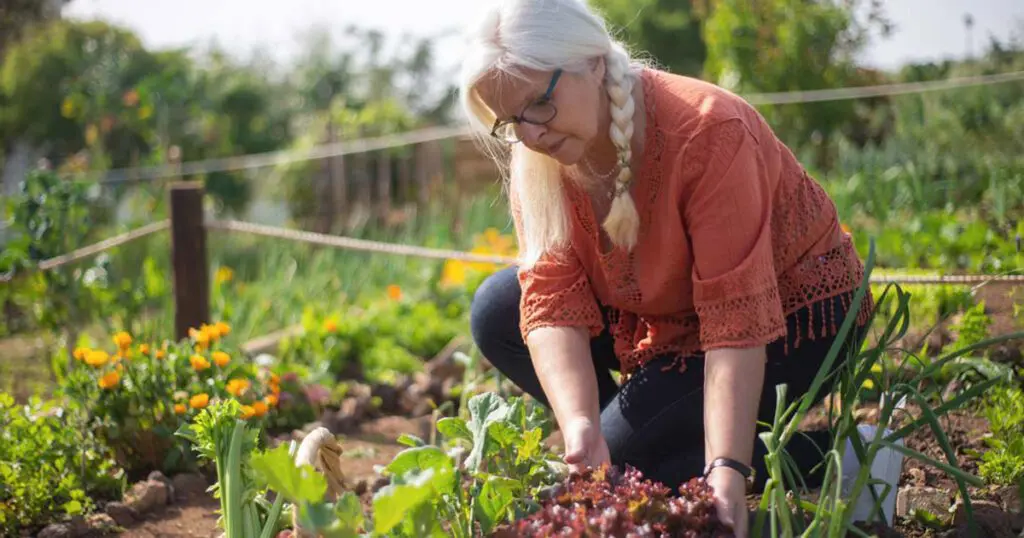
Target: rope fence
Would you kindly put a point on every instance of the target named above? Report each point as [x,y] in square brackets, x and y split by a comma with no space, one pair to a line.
[365,245]
[434,134]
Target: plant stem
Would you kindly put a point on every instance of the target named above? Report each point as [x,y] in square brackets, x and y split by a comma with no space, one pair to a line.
[233,487]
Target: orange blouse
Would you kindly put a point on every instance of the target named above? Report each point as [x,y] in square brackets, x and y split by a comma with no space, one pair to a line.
[734,236]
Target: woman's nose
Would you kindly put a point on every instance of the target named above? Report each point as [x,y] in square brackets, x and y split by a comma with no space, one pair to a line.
[530,134]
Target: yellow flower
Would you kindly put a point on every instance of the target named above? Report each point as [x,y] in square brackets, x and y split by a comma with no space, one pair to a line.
[271,400]
[454,273]
[160,353]
[123,340]
[80,353]
[179,409]
[199,363]
[868,384]
[199,401]
[224,274]
[109,380]
[275,379]
[330,326]
[92,133]
[123,354]
[247,412]
[221,358]
[96,358]
[144,349]
[68,108]
[394,292]
[259,408]
[201,336]
[145,112]
[275,388]
[236,387]
[223,329]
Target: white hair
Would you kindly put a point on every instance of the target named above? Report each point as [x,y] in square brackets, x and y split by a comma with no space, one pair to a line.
[545,35]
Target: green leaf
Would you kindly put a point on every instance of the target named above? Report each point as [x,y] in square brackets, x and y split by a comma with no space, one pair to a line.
[530,447]
[410,440]
[394,502]
[315,516]
[454,428]
[484,410]
[495,497]
[349,510]
[419,459]
[73,508]
[279,472]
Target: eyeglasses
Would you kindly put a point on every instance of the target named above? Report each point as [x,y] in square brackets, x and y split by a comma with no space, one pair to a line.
[538,112]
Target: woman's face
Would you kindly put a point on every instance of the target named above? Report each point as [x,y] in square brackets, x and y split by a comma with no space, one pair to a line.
[576,97]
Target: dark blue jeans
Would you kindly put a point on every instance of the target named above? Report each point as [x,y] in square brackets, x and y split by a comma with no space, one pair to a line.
[655,421]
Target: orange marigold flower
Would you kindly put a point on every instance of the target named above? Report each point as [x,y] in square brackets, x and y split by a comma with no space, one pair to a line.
[275,388]
[259,408]
[275,379]
[221,358]
[248,412]
[80,353]
[179,409]
[160,353]
[144,349]
[123,340]
[394,292]
[199,363]
[109,380]
[201,336]
[236,387]
[96,358]
[223,329]
[330,326]
[199,401]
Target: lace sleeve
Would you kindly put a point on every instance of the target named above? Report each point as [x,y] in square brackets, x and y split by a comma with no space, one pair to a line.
[556,291]
[727,207]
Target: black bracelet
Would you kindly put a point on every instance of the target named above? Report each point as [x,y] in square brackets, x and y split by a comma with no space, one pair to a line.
[739,467]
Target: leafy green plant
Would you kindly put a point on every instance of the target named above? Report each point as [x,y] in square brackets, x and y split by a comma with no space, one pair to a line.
[832,513]
[50,467]
[1003,463]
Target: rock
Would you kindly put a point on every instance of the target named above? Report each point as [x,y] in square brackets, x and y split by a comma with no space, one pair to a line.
[934,500]
[361,487]
[990,517]
[444,366]
[158,476]
[79,526]
[390,395]
[186,485]
[57,530]
[144,497]
[1009,497]
[122,514]
[100,522]
[918,476]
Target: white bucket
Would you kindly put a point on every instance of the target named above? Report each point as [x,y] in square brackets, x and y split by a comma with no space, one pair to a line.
[887,466]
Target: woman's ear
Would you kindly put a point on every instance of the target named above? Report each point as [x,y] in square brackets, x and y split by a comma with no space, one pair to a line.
[597,69]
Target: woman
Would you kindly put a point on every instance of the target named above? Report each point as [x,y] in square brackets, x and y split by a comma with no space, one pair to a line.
[666,233]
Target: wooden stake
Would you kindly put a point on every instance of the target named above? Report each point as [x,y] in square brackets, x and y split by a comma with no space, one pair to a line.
[188,255]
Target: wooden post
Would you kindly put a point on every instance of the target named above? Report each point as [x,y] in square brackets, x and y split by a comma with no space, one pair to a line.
[338,185]
[383,185]
[188,257]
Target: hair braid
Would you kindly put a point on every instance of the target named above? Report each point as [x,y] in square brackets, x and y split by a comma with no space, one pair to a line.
[622,223]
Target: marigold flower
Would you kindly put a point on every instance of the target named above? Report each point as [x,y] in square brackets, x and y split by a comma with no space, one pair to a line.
[236,387]
[199,363]
[144,349]
[123,340]
[160,353]
[394,292]
[221,358]
[109,380]
[201,336]
[330,326]
[96,358]
[224,274]
[80,353]
[259,409]
[179,409]
[248,412]
[271,400]
[199,401]
[223,329]
[274,379]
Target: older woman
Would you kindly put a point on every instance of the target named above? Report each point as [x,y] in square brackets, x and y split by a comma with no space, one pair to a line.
[665,233]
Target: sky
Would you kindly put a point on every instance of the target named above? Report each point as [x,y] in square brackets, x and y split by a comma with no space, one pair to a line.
[925,29]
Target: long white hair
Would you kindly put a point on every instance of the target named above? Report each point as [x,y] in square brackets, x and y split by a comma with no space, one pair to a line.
[544,35]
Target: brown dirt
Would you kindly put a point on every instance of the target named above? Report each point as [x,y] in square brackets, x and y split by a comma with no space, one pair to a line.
[373,444]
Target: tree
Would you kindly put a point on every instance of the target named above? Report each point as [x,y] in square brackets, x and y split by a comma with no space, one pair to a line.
[666,30]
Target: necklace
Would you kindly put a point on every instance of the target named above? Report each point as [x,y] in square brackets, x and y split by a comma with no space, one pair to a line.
[603,177]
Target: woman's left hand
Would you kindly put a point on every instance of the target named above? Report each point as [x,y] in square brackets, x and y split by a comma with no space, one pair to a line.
[730,490]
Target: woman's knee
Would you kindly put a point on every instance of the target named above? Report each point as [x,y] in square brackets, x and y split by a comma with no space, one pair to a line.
[494,312]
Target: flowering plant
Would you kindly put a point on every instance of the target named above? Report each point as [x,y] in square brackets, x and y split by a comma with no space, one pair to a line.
[136,395]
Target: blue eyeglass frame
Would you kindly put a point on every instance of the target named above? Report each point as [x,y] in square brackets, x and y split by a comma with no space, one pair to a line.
[520,119]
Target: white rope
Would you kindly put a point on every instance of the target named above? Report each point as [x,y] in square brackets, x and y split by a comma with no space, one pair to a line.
[95,248]
[274,158]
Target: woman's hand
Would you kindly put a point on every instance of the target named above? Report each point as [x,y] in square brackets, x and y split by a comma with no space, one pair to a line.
[730,499]
[584,444]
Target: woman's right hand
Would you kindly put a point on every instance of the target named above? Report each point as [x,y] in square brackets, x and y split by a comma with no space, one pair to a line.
[584,444]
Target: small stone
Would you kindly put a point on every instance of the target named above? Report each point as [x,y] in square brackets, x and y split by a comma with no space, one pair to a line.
[989,516]
[186,485]
[100,522]
[122,514]
[157,475]
[1009,497]
[57,530]
[933,500]
[144,497]
[918,476]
